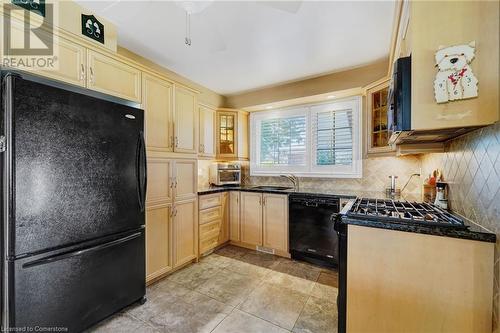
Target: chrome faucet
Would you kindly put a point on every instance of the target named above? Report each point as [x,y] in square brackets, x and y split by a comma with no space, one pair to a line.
[294,180]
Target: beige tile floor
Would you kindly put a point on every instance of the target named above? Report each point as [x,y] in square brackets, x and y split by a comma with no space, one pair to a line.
[236,290]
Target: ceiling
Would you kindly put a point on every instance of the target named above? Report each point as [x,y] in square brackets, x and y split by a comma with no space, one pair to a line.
[238,46]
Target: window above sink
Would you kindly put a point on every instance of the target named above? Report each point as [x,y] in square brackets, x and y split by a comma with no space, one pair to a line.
[316,140]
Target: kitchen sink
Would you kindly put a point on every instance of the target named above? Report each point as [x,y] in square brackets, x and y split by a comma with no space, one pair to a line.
[272,188]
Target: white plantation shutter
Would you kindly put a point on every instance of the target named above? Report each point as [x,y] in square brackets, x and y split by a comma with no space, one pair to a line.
[333,139]
[322,140]
[336,139]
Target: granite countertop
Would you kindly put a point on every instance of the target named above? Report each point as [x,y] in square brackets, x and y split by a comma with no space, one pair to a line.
[473,232]
[311,191]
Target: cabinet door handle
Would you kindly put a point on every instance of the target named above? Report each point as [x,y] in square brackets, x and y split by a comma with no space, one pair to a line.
[263,201]
[171,143]
[82,72]
[91,75]
[176,142]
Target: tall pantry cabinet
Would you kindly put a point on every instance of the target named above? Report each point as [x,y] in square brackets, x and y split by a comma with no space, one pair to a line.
[172,212]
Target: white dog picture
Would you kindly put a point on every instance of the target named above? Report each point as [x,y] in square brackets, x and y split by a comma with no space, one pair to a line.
[455,79]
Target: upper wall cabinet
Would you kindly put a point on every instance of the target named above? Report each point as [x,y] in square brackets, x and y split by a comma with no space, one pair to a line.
[80,66]
[425,27]
[186,120]
[207,132]
[72,63]
[113,77]
[232,134]
[226,134]
[72,58]
[377,132]
[157,101]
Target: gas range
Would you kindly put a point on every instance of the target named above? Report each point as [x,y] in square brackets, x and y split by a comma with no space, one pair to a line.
[384,210]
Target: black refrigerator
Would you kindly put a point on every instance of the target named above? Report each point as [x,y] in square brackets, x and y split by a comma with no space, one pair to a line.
[73,194]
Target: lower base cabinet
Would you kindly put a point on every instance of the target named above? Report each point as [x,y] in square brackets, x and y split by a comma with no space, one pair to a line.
[158,244]
[262,221]
[185,232]
[234,216]
[213,221]
[224,228]
[251,218]
[408,282]
[275,221]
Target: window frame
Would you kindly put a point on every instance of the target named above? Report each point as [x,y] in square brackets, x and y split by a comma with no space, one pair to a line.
[355,170]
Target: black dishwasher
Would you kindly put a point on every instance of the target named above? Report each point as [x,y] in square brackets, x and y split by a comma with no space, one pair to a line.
[312,237]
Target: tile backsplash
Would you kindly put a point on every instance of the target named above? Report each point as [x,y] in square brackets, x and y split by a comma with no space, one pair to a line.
[471,167]
[376,172]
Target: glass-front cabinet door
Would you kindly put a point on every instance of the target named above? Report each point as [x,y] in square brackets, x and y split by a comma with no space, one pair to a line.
[226,133]
[378,133]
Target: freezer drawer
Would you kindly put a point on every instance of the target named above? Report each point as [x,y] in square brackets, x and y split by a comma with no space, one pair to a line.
[78,287]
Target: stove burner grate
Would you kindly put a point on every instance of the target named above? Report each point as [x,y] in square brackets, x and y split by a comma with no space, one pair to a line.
[403,211]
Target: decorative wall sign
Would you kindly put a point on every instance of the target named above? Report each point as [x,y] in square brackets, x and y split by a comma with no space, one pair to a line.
[455,80]
[92,28]
[35,6]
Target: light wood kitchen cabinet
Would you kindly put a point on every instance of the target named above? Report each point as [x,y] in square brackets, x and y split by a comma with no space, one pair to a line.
[409,282]
[158,241]
[72,62]
[185,179]
[275,221]
[234,216]
[185,231]
[159,188]
[232,134]
[213,221]
[226,134]
[224,228]
[377,131]
[260,219]
[172,213]
[209,236]
[185,120]
[207,132]
[251,218]
[243,136]
[157,101]
[80,66]
[423,27]
[111,76]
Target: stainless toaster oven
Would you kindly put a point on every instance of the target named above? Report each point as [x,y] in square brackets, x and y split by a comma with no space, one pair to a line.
[225,174]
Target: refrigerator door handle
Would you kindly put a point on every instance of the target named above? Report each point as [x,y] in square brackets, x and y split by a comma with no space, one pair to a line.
[141,167]
[79,252]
